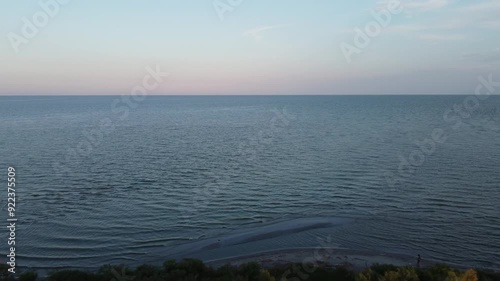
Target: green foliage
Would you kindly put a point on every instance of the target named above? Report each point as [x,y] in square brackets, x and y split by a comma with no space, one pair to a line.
[170,265]
[28,276]
[195,270]
[148,272]
[338,273]
[408,274]
[391,276]
[469,275]
[403,274]
[110,272]
[251,271]
[381,269]
[73,275]
[4,272]
[442,272]
[192,265]
[488,275]
[367,275]
[266,276]
[424,275]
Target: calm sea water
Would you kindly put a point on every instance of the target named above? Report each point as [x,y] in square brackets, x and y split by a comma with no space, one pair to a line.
[103,181]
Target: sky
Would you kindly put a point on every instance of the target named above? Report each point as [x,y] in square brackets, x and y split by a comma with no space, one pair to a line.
[248,47]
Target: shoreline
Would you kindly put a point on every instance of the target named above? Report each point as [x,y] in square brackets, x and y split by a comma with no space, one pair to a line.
[355,259]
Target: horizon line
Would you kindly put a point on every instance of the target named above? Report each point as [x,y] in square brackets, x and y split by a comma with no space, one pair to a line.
[236,95]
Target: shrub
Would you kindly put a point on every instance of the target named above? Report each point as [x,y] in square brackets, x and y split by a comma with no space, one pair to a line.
[147,272]
[442,272]
[381,269]
[366,275]
[110,272]
[196,270]
[170,265]
[251,270]
[226,272]
[4,272]
[391,276]
[192,265]
[401,274]
[470,275]
[408,274]
[488,275]
[453,276]
[424,275]
[28,276]
[73,275]
[266,276]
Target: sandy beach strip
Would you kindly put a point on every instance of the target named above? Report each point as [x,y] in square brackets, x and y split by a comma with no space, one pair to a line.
[355,259]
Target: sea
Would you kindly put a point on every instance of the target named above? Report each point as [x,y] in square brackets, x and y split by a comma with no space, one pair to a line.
[127,180]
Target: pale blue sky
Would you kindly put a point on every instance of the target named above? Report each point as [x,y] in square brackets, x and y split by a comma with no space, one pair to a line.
[259,47]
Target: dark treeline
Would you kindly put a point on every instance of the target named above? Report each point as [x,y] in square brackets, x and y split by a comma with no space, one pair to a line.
[195,270]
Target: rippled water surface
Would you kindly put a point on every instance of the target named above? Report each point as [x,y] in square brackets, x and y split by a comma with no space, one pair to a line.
[101,182]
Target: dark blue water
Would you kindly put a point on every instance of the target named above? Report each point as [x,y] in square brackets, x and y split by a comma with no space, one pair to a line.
[107,181]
